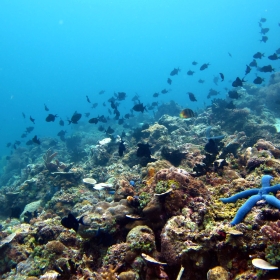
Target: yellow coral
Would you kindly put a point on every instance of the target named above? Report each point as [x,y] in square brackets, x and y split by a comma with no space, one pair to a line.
[109,273]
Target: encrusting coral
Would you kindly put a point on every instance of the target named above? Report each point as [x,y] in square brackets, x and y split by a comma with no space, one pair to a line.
[256,195]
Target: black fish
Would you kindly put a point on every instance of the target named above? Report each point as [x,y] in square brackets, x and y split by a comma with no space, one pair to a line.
[121,95]
[139,107]
[264,39]
[143,150]
[253,63]
[15,212]
[88,99]
[191,96]
[101,128]
[175,71]
[194,63]
[61,133]
[117,114]
[29,142]
[263,20]
[222,76]
[156,94]
[265,69]
[258,55]
[94,120]
[154,104]
[238,82]
[211,147]
[273,56]
[121,148]
[71,222]
[61,122]
[248,70]
[127,116]
[33,120]
[201,81]
[36,140]
[212,92]
[258,80]
[204,66]
[135,97]
[164,91]
[215,80]
[76,116]
[230,105]
[190,72]
[17,142]
[102,119]
[264,30]
[113,104]
[23,135]
[23,115]
[233,94]
[46,108]
[8,144]
[229,54]
[94,105]
[101,91]
[29,129]
[121,121]
[87,115]
[51,118]
[169,81]
[109,130]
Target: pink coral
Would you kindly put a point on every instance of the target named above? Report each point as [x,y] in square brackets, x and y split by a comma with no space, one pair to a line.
[272,231]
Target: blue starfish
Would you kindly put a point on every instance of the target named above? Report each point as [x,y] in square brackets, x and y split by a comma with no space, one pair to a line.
[256,195]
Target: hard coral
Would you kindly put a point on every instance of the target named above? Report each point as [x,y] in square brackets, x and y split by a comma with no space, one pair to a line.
[55,247]
[186,182]
[272,231]
[108,273]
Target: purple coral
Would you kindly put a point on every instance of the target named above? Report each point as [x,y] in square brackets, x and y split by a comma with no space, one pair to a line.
[272,231]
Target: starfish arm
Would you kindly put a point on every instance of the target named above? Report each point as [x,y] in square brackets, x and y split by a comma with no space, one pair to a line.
[272,200]
[275,188]
[243,194]
[245,208]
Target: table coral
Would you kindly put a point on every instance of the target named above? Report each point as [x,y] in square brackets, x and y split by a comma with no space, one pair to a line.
[255,196]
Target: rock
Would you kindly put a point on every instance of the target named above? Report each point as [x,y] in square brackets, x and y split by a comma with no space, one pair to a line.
[30,207]
[141,239]
[128,275]
[217,273]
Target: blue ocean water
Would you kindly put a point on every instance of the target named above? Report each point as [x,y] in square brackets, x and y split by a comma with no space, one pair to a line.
[57,52]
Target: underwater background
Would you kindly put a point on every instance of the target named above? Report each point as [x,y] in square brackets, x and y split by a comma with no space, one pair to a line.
[56,53]
[139,140]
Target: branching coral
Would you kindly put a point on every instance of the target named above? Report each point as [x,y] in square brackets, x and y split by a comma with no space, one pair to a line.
[272,231]
[48,157]
[108,273]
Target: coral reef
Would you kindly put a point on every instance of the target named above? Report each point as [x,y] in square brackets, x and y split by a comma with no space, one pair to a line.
[185,209]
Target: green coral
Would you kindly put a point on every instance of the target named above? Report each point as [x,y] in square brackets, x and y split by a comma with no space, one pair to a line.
[144,199]
[163,186]
[273,254]
[142,247]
